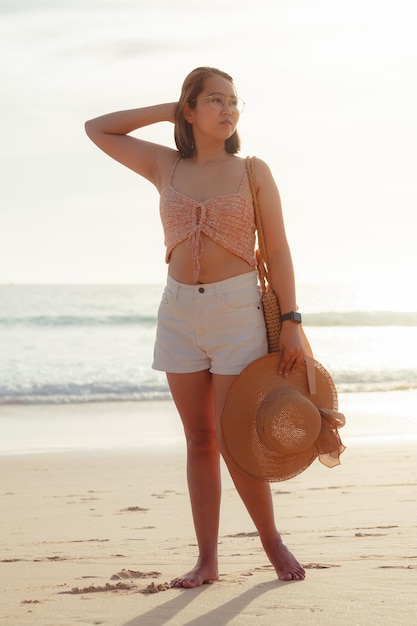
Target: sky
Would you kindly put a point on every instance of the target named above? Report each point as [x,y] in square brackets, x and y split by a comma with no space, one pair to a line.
[331,101]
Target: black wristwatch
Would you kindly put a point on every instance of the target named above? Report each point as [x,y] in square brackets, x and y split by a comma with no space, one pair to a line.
[294,316]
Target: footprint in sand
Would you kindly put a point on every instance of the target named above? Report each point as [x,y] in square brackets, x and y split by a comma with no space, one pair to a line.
[152,588]
[50,558]
[131,573]
[397,567]
[163,494]
[319,565]
[133,509]
[30,602]
[100,588]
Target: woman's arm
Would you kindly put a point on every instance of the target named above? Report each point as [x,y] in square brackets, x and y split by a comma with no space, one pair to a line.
[280,265]
[111,134]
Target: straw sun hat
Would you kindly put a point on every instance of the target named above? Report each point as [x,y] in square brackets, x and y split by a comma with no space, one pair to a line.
[272,428]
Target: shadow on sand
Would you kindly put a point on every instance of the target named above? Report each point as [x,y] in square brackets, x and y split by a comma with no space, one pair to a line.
[219,615]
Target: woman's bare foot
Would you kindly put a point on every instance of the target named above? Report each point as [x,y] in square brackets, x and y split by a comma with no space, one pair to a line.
[286,565]
[199,575]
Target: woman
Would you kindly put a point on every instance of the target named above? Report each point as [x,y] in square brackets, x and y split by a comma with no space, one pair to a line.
[210,323]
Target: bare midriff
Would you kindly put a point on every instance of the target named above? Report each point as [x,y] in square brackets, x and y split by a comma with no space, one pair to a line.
[216,263]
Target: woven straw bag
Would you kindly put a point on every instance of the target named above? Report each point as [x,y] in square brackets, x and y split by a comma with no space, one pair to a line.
[270,302]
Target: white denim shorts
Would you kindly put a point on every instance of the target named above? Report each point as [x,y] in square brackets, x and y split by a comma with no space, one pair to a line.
[216,326]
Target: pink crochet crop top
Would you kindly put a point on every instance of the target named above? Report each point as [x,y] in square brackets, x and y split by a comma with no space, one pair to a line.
[227,219]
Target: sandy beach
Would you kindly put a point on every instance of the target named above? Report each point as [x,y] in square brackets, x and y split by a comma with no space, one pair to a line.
[91,533]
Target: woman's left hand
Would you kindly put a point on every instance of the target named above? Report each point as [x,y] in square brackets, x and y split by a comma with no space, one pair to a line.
[291,348]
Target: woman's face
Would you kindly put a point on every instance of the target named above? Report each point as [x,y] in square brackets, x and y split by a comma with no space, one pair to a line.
[216,109]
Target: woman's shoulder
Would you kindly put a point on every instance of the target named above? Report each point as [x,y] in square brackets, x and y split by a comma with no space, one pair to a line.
[261,170]
[259,163]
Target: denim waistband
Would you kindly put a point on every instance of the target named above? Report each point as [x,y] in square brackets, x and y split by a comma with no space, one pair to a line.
[248,280]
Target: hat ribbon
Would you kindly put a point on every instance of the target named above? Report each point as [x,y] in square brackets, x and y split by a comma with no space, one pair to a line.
[309,359]
[329,444]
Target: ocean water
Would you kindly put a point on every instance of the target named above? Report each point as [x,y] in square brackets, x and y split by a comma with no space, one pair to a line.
[73,344]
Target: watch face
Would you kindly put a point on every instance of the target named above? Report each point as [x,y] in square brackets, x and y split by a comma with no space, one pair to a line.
[296,317]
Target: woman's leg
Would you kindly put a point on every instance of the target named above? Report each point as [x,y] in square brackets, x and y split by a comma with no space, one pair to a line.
[257,498]
[193,396]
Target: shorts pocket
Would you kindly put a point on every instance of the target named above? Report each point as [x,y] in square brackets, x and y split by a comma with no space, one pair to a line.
[167,296]
[242,298]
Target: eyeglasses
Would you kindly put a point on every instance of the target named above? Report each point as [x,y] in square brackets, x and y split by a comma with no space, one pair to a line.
[219,102]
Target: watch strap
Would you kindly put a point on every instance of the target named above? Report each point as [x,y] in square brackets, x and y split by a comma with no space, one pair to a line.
[294,316]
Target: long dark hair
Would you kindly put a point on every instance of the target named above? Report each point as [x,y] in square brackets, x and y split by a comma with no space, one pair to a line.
[192,87]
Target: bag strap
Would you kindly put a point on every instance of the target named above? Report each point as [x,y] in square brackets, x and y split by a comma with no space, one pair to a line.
[261,254]
[263,271]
